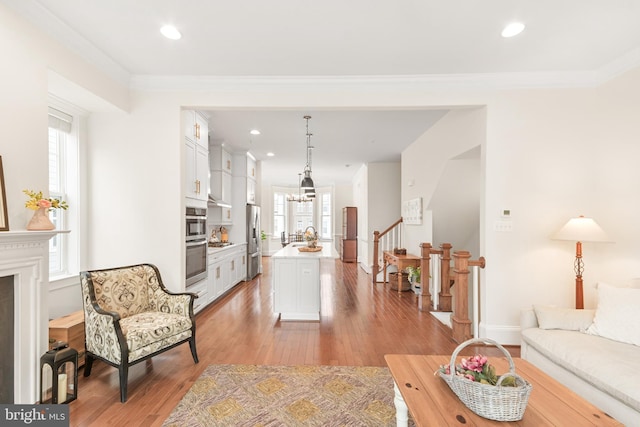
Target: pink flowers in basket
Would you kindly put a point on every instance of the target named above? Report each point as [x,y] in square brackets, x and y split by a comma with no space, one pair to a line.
[478,369]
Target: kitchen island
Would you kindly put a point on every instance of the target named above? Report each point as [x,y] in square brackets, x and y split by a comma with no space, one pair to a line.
[296,281]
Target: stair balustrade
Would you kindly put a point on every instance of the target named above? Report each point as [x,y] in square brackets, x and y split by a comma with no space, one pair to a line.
[437,272]
[460,322]
[386,240]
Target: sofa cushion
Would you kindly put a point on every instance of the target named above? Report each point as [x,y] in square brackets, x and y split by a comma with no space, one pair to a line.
[611,366]
[618,314]
[563,318]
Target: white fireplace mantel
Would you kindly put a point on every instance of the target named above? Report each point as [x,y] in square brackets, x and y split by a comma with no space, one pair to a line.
[24,255]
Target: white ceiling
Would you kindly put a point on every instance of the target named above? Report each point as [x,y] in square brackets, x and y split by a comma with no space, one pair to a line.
[337,38]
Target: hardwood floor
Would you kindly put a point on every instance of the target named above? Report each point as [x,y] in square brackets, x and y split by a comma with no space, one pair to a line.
[360,323]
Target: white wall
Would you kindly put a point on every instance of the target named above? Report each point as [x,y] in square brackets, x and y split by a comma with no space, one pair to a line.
[383,202]
[136,203]
[424,164]
[548,155]
[29,60]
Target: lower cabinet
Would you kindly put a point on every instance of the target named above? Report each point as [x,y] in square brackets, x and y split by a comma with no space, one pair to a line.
[226,268]
[201,289]
[297,288]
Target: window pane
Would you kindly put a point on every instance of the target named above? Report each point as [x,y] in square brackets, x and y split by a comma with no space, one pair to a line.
[57,164]
[279,213]
[326,218]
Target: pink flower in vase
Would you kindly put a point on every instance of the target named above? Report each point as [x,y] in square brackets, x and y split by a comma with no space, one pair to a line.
[44,203]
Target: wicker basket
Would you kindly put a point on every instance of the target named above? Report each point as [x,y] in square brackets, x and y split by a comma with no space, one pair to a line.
[393,282]
[494,402]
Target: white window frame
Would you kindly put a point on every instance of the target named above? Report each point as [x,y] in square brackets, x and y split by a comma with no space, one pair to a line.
[285,210]
[72,175]
[326,193]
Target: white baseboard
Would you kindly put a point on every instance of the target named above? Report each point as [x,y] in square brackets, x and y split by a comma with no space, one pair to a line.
[505,335]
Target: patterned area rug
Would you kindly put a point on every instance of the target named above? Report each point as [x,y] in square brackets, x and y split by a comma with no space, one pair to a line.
[252,395]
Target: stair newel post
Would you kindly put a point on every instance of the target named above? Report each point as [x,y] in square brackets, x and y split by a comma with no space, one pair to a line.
[424,297]
[460,323]
[445,278]
[376,266]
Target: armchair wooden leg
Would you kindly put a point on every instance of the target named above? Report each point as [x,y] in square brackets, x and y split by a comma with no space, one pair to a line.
[192,346]
[124,376]
[88,363]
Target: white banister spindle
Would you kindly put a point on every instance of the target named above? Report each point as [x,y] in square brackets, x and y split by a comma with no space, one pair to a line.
[475,289]
[435,278]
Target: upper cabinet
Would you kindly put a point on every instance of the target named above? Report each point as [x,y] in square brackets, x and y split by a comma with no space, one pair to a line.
[221,165]
[221,159]
[196,141]
[196,127]
[251,167]
[251,179]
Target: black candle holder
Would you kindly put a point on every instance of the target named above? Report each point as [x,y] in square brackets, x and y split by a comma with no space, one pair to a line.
[58,367]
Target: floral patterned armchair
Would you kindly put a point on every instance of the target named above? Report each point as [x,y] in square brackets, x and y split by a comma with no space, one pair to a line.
[130,316]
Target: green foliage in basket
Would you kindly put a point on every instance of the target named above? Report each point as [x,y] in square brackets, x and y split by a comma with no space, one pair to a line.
[414,274]
[478,369]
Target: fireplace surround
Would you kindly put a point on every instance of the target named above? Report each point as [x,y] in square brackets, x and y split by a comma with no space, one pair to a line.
[24,257]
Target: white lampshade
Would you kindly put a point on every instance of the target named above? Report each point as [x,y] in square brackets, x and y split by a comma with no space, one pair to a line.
[582,229]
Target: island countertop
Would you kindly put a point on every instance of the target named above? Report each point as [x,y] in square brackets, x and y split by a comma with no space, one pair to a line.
[291,251]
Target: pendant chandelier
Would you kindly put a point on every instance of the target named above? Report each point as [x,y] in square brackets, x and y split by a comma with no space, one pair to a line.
[299,198]
[307,183]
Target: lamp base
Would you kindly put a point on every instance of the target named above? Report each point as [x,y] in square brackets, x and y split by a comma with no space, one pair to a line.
[579,295]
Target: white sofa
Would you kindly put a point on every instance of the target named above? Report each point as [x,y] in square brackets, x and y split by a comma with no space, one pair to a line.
[606,372]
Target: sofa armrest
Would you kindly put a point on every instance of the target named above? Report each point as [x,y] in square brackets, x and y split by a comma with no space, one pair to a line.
[528,319]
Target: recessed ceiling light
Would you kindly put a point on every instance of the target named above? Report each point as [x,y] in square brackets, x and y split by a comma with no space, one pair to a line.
[255,132]
[513,29]
[270,154]
[170,32]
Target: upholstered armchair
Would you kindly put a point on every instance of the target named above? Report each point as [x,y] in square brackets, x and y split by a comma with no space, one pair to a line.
[130,316]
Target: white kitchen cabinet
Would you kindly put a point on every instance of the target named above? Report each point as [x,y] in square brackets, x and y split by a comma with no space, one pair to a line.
[216,286]
[241,261]
[220,165]
[297,288]
[219,215]
[202,290]
[251,191]
[221,187]
[196,157]
[226,268]
[220,159]
[196,127]
[251,167]
[197,171]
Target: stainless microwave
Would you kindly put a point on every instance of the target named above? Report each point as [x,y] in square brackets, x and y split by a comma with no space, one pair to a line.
[196,223]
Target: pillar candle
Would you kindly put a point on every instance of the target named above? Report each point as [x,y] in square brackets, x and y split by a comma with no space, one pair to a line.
[62,387]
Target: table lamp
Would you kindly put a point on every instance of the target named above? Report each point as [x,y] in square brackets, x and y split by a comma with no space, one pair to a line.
[580,230]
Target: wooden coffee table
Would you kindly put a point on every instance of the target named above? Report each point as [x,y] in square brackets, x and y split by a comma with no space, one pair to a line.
[432,403]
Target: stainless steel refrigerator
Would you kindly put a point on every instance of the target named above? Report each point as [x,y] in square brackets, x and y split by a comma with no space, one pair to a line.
[254,250]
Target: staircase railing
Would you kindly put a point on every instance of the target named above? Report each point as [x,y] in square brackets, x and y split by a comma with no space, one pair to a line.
[437,279]
[385,241]
[460,322]
[436,274]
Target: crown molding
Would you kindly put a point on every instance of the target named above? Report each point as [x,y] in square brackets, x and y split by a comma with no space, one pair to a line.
[42,18]
[618,66]
[432,82]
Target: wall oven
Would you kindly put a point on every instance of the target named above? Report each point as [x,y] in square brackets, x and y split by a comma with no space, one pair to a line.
[196,245]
